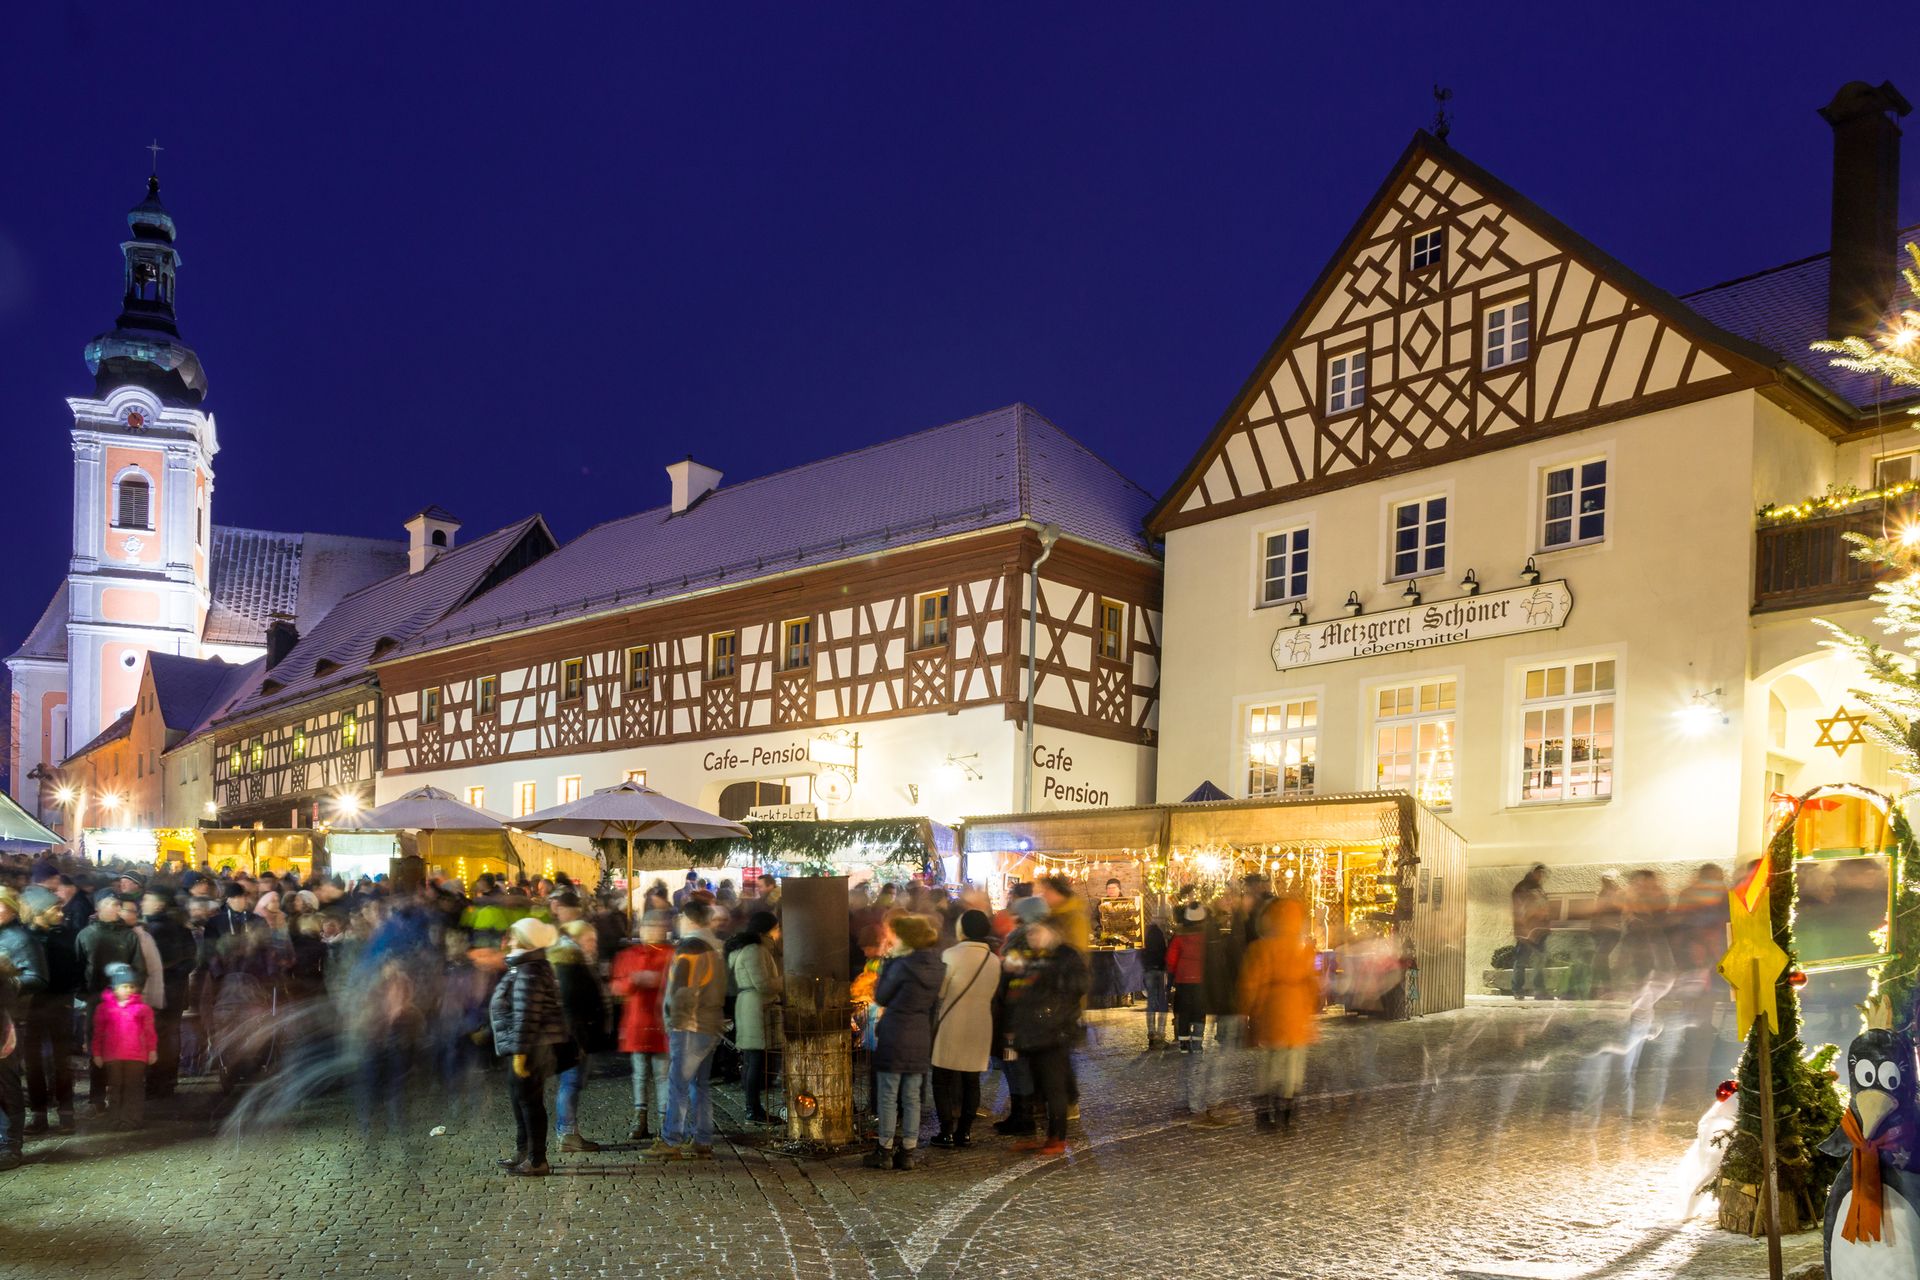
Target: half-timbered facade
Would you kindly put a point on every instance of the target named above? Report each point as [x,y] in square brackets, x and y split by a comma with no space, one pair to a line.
[849,635]
[304,744]
[1480,525]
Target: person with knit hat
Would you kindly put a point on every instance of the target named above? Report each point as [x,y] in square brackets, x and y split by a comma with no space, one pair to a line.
[754,971]
[963,1029]
[125,1044]
[528,1029]
[905,997]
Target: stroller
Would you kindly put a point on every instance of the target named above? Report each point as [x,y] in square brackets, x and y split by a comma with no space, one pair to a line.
[241,1043]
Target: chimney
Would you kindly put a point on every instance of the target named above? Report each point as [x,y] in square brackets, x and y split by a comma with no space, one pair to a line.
[692,481]
[428,534]
[1861,271]
[282,635]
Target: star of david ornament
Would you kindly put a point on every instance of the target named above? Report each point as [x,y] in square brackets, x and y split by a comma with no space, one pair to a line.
[1832,734]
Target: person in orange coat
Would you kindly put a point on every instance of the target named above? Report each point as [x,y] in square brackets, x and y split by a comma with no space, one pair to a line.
[1280,995]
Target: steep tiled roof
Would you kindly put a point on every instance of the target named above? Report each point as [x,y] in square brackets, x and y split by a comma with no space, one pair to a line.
[183,687]
[256,574]
[48,639]
[978,473]
[334,652]
[121,726]
[1784,309]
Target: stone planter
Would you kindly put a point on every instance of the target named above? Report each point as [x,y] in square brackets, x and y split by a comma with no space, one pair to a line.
[1500,981]
[1740,1210]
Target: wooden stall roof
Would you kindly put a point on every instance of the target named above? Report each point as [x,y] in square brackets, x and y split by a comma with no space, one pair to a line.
[1370,818]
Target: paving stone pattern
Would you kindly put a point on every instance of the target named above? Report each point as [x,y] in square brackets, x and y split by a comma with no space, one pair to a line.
[1500,1141]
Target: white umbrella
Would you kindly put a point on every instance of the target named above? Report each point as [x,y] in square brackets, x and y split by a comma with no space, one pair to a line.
[631,811]
[426,809]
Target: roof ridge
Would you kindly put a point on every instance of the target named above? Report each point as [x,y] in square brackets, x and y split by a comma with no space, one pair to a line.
[451,553]
[1901,234]
[1086,448]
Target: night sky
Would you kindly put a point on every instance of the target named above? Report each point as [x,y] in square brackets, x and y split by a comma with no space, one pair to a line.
[519,260]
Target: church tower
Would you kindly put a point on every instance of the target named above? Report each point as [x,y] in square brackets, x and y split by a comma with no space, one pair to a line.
[142,487]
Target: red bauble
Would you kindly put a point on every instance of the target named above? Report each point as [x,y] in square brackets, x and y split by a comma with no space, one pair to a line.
[1726,1089]
[1797,979]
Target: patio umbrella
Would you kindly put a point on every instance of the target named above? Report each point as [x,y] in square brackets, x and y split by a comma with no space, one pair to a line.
[425,809]
[630,811]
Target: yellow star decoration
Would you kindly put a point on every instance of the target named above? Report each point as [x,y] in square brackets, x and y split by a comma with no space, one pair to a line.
[1841,716]
[1752,917]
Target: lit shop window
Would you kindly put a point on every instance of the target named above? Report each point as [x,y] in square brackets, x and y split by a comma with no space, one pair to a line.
[1566,731]
[1283,744]
[1413,739]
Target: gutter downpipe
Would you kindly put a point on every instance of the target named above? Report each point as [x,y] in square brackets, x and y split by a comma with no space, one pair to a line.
[1049,535]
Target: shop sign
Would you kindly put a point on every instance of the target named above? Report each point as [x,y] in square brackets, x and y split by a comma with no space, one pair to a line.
[1056,783]
[728,759]
[783,813]
[1544,607]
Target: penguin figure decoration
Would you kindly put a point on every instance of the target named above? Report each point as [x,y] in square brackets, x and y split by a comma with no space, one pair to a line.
[1872,1229]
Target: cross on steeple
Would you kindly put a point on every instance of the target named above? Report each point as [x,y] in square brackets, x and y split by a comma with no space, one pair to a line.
[155,149]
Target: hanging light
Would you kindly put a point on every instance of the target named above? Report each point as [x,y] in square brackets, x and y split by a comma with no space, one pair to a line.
[1470,584]
[1353,605]
[1297,615]
[1531,574]
[1412,593]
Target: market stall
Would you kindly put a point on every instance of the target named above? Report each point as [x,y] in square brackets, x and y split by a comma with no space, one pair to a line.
[1382,876]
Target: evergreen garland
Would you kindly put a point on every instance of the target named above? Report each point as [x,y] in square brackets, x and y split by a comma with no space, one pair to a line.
[1806,1106]
[810,848]
[1895,979]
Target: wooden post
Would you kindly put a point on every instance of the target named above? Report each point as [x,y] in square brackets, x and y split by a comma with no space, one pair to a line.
[1769,1165]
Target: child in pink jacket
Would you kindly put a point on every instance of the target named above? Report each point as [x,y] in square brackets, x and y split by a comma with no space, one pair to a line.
[125,1045]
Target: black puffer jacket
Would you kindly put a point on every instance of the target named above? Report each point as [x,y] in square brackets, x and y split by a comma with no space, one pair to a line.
[20,947]
[1044,1009]
[908,989]
[525,1009]
[101,944]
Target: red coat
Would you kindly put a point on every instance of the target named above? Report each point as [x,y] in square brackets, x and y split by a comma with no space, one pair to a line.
[123,1032]
[1187,958]
[640,980]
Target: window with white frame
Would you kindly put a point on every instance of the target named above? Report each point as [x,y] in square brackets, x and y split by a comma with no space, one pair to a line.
[1413,734]
[1896,468]
[1346,382]
[1428,246]
[1573,507]
[1283,568]
[132,508]
[1283,746]
[1419,537]
[1566,731]
[1507,332]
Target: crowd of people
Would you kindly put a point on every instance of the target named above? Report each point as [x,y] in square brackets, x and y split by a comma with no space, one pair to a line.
[141,976]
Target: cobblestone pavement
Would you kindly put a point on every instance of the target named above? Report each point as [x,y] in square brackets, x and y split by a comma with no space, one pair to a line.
[1500,1141]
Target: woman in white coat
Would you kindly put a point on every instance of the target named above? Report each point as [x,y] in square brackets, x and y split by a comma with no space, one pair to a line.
[963,1029]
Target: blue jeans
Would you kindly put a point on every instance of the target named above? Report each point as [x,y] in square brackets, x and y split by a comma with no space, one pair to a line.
[689,1091]
[900,1094]
[1524,951]
[566,1098]
[1157,1005]
[650,1082]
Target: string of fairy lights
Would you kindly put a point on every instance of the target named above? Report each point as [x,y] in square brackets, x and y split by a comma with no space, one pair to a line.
[1839,499]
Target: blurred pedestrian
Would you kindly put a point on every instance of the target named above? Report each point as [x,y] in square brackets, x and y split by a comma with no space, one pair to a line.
[753,969]
[528,1026]
[1606,927]
[1280,994]
[584,1005]
[696,999]
[905,997]
[174,945]
[963,1029]
[639,980]
[1153,969]
[1186,968]
[1532,916]
[1043,1017]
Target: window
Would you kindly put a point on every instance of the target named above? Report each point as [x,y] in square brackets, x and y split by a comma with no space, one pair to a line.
[1896,468]
[349,728]
[489,695]
[796,644]
[477,797]
[1575,507]
[299,743]
[199,526]
[640,668]
[133,503]
[636,775]
[932,613]
[1283,743]
[233,761]
[1284,568]
[1413,731]
[569,788]
[723,654]
[1566,731]
[256,754]
[1427,249]
[523,799]
[1419,537]
[430,708]
[572,678]
[1508,330]
[1347,382]
[1113,629]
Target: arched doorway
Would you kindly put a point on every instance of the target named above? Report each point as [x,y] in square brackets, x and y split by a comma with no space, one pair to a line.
[741,797]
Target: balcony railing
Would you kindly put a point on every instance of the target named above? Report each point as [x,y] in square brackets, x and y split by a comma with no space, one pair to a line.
[1811,562]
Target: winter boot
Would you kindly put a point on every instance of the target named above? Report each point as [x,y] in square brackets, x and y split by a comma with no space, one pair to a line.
[639,1131]
[880,1157]
[37,1123]
[906,1158]
[1287,1107]
[1266,1114]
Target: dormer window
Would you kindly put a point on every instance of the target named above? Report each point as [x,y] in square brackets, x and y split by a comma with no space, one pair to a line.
[1429,247]
[325,667]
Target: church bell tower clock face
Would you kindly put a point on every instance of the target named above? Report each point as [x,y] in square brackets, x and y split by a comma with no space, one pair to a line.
[136,419]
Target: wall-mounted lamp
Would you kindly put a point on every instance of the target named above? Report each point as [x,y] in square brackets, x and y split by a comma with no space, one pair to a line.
[1470,584]
[1412,594]
[1297,615]
[1531,574]
[913,793]
[1353,605]
[1701,712]
[967,765]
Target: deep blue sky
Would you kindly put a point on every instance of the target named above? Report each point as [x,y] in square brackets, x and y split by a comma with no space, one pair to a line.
[518,260]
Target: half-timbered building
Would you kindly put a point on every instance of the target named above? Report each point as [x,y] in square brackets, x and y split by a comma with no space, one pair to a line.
[304,744]
[849,636]
[1481,525]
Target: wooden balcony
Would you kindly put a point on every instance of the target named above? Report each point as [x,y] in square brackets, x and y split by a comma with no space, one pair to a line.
[1810,562]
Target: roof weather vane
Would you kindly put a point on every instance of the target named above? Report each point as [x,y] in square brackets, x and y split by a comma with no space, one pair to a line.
[155,149]
[1442,120]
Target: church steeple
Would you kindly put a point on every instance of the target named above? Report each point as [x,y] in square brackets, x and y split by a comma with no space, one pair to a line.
[144,347]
